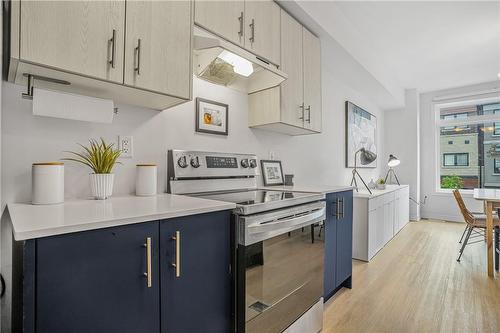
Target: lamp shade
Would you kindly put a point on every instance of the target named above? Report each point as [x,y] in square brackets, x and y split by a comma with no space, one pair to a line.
[367,156]
[393,161]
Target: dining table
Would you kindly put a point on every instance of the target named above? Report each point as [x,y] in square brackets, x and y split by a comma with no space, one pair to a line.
[489,197]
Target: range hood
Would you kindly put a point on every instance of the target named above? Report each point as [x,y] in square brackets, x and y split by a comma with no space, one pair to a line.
[221,62]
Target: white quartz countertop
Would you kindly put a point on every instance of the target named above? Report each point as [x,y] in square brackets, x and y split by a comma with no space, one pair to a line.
[35,221]
[363,193]
[324,189]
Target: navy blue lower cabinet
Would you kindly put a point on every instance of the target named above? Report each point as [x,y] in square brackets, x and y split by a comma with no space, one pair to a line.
[330,245]
[196,274]
[344,241]
[95,281]
[338,242]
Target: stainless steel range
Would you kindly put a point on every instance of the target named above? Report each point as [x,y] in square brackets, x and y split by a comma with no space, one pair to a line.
[278,280]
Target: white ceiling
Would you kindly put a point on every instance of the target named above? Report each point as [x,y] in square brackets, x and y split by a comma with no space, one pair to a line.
[422,45]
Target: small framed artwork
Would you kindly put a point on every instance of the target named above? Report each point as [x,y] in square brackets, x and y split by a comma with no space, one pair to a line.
[211,117]
[272,173]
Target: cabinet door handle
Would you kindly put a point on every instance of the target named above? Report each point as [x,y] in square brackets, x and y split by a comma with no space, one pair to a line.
[149,273]
[177,263]
[112,41]
[252,27]
[308,114]
[240,18]
[138,57]
[301,106]
[342,208]
[338,209]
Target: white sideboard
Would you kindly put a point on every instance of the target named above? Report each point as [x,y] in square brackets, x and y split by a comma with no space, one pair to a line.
[377,218]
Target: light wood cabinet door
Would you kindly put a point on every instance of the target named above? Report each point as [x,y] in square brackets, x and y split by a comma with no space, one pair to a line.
[224,18]
[74,36]
[158,46]
[312,81]
[262,29]
[292,89]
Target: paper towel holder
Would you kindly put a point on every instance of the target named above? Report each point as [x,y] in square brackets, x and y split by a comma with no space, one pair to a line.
[32,77]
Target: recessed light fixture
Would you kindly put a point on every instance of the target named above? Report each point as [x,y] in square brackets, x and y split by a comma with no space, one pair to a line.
[498,74]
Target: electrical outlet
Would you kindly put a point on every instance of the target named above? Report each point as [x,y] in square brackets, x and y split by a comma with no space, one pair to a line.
[125,144]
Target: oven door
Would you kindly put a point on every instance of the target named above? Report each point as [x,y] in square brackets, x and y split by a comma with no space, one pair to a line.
[280,267]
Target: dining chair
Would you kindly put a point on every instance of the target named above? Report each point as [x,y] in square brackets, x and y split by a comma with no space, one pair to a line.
[475,223]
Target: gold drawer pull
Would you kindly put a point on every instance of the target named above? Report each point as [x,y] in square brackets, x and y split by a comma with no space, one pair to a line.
[177,263]
[148,274]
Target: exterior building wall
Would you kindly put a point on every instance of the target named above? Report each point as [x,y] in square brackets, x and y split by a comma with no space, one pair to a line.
[456,143]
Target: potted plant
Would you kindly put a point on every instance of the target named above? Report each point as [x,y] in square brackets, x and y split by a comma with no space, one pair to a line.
[100,157]
[381,184]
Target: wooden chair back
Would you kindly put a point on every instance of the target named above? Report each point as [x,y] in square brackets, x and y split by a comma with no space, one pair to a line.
[468,217]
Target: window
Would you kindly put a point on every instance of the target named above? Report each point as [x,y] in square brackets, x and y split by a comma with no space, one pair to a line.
[458,159]
[455,116]
[496,128]
[496,166]
[469,144]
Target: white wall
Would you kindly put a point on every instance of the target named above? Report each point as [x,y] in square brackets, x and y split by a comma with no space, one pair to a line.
[313,159]
[442,205]
[27,139]
[402,139]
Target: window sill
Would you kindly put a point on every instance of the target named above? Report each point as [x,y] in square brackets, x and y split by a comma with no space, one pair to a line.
[448,192]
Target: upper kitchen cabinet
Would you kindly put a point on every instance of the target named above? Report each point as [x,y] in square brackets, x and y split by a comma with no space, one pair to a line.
[312,80]
[83,37]
[254,25]
[293,108]
[262,33]
[292,102]
[140,55]
[224,18]
[158,46]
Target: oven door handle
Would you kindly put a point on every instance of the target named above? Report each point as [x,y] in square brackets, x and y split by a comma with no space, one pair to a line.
[296,220]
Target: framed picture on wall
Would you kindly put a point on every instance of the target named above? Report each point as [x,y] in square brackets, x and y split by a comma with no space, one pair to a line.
[211,117]
[272,172]
[361,132]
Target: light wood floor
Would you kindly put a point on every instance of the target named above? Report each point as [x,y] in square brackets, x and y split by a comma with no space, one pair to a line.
[415,284]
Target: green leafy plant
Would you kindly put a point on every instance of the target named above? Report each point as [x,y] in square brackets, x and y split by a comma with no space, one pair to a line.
[452,181]
[381,181]
[98,156]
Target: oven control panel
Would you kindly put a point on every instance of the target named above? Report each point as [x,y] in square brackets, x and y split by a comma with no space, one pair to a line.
[198,164]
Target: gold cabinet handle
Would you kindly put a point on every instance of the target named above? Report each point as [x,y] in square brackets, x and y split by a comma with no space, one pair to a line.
[177,263]
[149,273]
[338,209]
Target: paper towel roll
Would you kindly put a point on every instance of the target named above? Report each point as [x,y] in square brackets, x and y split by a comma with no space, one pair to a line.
[72,106]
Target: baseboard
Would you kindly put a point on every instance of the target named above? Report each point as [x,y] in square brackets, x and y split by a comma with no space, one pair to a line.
[443,217]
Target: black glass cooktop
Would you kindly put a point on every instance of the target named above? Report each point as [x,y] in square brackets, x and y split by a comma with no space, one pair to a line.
[255,197]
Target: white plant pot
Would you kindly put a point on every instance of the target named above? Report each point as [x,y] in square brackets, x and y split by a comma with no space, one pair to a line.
[380,186]
[101,185]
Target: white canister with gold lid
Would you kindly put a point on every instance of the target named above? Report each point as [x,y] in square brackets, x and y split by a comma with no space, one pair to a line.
[47,183]
[146,179]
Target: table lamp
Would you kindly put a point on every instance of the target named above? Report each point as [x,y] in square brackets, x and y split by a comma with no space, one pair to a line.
[393,162]
[365,158]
